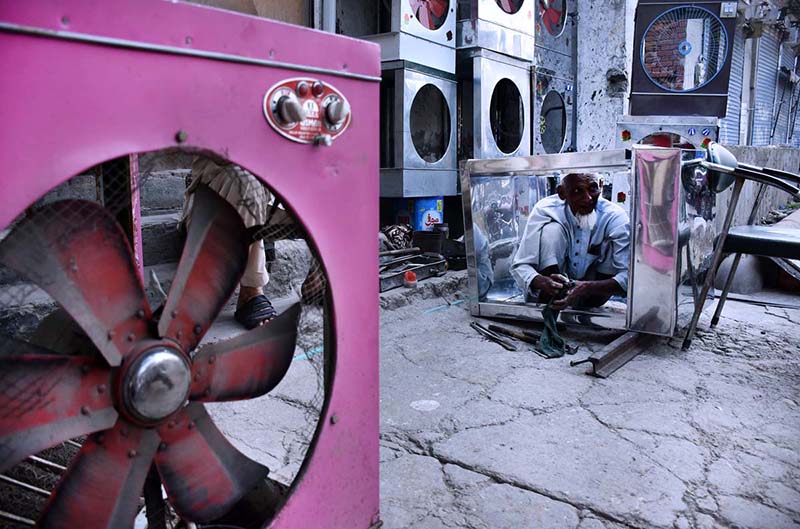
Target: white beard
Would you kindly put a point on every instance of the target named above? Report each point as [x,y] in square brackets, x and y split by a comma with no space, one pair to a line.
[587,222]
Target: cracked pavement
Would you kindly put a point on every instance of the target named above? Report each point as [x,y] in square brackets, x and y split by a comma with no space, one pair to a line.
[474,436]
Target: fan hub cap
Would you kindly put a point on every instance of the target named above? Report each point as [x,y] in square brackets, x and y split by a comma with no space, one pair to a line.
[157,384]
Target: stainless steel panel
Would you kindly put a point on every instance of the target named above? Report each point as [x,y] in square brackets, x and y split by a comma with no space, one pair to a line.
[418,183]
[490,11]
[402,46]
[654,240]
[477,33]
[692,129]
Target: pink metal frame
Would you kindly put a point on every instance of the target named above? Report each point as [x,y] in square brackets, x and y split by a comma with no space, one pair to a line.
[68,105]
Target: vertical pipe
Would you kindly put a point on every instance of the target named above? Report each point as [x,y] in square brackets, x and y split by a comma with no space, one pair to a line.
[752,89]
[329,16]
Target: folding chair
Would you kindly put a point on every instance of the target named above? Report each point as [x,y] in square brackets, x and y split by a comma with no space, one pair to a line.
[766,241]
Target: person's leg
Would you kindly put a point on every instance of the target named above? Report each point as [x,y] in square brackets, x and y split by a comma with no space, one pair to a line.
[255,276]
[553,249]
[253,308]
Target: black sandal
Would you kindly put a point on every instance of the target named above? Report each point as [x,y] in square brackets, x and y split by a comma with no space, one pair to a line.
[256,311]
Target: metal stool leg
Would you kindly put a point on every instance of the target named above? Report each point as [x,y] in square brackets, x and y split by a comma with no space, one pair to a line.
[725,289]
[709,282]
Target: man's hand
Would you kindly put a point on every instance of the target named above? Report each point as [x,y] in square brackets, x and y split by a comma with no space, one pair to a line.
[550,284]
[581,289]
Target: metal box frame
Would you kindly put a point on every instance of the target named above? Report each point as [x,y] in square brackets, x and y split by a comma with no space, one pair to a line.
[410,175]
[204,72]
[655,306]
[479,72]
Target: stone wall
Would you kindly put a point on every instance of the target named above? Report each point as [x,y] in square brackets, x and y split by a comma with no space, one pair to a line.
[605,29]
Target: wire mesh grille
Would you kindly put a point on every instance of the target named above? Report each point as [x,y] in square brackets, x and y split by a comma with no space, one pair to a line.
[149,196]
[684,48]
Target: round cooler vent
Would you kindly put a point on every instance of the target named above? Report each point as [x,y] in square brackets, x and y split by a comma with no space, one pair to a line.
[430,124]
[553,122]
[506,116]
[684,48]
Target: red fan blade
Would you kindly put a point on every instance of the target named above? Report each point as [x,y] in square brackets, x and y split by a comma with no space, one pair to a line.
[552,19]
[213,260]
[47,398]
[204,475]
[424,17]
[77,253]
[507,6]
[248,365]
[438,7]
[101,489]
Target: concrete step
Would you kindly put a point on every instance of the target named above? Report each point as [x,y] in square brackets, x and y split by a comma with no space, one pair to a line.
[161,240]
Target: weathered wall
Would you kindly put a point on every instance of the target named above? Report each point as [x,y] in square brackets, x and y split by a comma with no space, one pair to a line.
[605,29]
[783,158]
[292,11]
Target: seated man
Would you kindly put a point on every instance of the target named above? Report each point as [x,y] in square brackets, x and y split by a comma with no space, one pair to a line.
[575,235]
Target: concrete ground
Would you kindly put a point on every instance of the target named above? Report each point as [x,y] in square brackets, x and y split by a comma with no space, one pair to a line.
[473,436]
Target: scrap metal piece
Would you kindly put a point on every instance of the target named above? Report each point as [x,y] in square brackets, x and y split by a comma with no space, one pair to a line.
[102,486]
[203,474]
[505,344]
[76,251]
[523,336]
[248,365]
[424,266]
[49,398]
[212,262]
[616,354]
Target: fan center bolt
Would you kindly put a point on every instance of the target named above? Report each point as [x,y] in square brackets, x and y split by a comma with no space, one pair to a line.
[157,384]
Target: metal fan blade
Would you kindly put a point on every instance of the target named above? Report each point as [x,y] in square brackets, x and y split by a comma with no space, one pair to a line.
[424,17]
[77,253]
[248,365]
[203,474]
[438,7]
[46,399]
[213,260]
[101,488]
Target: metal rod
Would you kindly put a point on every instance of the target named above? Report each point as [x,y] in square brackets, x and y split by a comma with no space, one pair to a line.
[15,518]
[724,296]
[172,50]
[22,485]
[73,443]
[737,189]
[47,463]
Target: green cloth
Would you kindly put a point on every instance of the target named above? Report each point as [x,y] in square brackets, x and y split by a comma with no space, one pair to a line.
[551,344]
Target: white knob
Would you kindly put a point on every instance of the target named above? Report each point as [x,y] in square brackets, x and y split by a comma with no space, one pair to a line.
[290,110]
[337,111]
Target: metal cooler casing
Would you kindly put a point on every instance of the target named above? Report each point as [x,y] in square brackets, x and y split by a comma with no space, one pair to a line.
[494,105]
[663,131]
[403,31]
[418,131]
[95,81]
[553,101]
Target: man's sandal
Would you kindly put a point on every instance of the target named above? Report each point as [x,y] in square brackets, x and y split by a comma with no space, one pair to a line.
[254,312]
